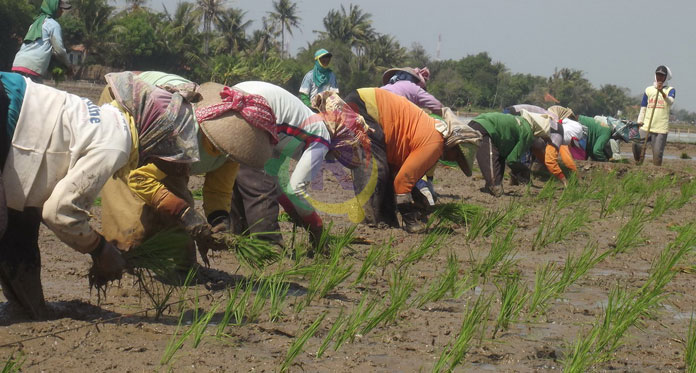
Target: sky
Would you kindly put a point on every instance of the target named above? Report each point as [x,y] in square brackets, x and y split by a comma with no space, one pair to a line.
[617,42]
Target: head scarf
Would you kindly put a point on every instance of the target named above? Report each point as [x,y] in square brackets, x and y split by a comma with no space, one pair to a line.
[49,8]
[667,78]
[164,120]
[418,75]
[347,128]
[320,74]
[543,125]
[561,112]
[253,108]
[423,73]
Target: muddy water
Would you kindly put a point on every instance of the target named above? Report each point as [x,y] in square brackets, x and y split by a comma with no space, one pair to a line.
[417,337]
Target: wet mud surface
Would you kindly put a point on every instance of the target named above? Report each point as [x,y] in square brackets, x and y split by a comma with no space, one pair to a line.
[129,340]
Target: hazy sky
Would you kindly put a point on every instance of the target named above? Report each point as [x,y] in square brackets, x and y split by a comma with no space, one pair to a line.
[613,41]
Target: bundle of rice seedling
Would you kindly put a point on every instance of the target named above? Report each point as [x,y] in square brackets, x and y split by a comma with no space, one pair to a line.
[161,253]
[458,213]
[252,250]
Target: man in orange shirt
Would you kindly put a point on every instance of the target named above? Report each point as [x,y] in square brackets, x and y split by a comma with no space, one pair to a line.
[406,142]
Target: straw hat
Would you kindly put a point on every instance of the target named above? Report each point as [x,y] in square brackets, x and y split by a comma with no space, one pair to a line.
[389,73]
[231,134]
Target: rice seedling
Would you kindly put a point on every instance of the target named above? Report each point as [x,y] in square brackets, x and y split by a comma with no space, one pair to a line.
[690,347]
[548,191]
[373,256]
[572,193]
[201,323]
[484,223]
[298,344]
[228,314]
[688,190]
[338,242]
[14,364]
[457,213]
[277,290]
[157,292]
[629,234]
[555,226]
[545,286]
[513,296]
[442,285]
[474,321]
[575,268]
[624,308]
[663,202]
[251,250]
[501,248]
[361,313]
[257,304]
[400,288]
[161,254]
[432,241]
[340,322]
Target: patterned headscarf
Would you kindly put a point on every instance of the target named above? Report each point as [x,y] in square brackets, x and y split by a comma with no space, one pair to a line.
[347,128]
[253,108]
[164,120]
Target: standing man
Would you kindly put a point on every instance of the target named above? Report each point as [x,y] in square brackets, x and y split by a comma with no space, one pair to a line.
[319,79]
[43,40]
[654,111]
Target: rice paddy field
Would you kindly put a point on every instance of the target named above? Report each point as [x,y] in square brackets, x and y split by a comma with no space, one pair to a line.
[595,277]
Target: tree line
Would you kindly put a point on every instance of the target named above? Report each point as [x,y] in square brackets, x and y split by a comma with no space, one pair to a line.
[207,40]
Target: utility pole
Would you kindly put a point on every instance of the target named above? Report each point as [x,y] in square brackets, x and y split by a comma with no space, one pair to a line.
[439,43]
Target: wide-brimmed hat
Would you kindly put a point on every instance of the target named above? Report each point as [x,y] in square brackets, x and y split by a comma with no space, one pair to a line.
[389,73]
[230,132]
[65,4]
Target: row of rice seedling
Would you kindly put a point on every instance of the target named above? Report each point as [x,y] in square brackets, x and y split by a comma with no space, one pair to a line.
[555,226]
[513,297]
[501,251]
[298,344]
[690,347]
[629,234]
[625,307]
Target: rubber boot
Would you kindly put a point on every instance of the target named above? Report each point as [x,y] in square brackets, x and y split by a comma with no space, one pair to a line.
[410,216]
[21,286]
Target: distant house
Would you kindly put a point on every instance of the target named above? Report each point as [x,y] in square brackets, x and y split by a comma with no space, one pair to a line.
[76,54]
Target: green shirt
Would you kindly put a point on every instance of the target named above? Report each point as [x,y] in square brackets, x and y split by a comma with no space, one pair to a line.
[511,135]
[597,137]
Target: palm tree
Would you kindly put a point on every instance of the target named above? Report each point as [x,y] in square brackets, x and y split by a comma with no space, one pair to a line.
[353,27]
[211,10]
[264,37]
[233,28]
[136,4]
[94,16]
[179,36]
[285,14]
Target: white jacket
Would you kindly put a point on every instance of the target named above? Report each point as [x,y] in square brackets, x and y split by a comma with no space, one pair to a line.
[63,151]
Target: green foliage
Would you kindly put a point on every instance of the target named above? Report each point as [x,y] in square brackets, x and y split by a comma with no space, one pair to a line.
[14,364]
[15,18]
[690,347]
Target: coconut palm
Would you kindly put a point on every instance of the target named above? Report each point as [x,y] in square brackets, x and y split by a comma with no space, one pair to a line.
[179,35]
[136,4]
[353,27]
[285,14]
[233,27]
[94,17]
[211,10]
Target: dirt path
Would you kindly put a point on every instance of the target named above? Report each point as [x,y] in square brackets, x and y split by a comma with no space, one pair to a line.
[415,339]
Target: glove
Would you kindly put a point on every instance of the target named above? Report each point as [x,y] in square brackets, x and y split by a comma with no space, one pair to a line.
[168,203]
[199,229]
[424,188]
[107,264]
[219,221]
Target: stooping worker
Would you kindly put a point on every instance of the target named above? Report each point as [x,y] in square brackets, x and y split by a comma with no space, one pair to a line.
[62,151]
[654,113]
[405,143]
[43,40]
[596,139]
[321,78]
[506,138]
[305,137]
[411,83]
[155,195]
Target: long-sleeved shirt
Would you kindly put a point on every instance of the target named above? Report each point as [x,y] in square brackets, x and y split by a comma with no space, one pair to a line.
[511,135]
[302,136]
[413,144]
[653,99]
[36,56]
[414,93]
[597,138]
[63,151]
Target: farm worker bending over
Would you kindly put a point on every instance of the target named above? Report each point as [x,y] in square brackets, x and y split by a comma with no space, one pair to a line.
[596,139]
[405,143]
[155,196]
[654,111]
[411,83]
[63,149]
[319,79]
[548,152]
[43,40]
[306,137]
[506,138]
